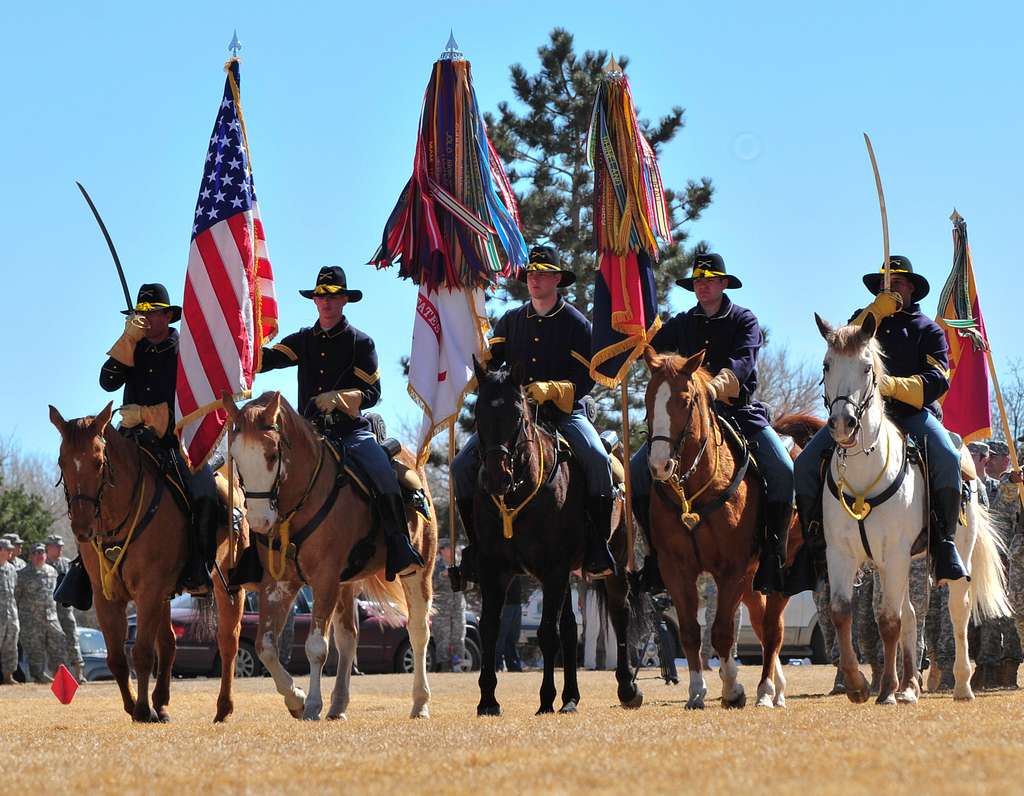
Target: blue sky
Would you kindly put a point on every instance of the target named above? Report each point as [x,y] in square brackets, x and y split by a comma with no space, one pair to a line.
[122,97]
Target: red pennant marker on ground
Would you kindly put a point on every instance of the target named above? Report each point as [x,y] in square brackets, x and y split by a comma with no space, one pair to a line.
[64,685]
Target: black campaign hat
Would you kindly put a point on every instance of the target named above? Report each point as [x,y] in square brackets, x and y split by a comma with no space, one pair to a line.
[544,259]
[331,282]
[706,266]
[898,265]
[155,297]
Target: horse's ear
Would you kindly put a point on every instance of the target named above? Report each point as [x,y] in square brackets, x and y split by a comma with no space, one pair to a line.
[272,410]
[57,420]
[229,405]
[102,420]
[693,363]
[824,327]
[651,357]
[868,328]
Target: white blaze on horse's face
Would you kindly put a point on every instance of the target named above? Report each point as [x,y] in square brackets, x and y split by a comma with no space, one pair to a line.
[660,455]
[849,385]
[255,455]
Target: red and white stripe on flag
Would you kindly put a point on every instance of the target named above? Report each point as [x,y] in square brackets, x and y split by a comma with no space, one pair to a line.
[228,312]
[449,330]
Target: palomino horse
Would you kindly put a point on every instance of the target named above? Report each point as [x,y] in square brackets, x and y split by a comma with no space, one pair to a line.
[529,515]
[118,503]
[705,509]
[297,490]
[872,455]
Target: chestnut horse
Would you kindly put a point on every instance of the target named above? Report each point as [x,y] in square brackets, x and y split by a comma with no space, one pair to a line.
[284,463]
[718,533]
[528,515]
[120,502]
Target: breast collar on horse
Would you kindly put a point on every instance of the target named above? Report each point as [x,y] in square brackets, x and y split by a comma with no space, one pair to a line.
[689,515]
[109,551]
[508,515]
[862,505]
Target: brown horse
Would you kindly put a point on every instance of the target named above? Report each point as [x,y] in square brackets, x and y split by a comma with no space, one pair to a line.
[284,463]
[120,503]
[717,532]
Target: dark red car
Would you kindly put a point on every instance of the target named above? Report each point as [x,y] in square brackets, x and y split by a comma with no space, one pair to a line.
[382,647]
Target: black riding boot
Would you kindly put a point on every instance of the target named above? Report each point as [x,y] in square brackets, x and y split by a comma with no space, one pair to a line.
[248,569]
[466,571]
[597,558]
[75,589]
[946,508]
[803,574]
[401,556]
[778,516]
[195,578]
[650,576]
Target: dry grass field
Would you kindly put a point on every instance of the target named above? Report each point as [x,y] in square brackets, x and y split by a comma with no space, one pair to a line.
[817,744]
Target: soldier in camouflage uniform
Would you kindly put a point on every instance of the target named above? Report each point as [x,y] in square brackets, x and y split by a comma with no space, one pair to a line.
[41,635]
[8,614]
[448,627]
[16,560]
[1015,578]
[65,613]
[999,650]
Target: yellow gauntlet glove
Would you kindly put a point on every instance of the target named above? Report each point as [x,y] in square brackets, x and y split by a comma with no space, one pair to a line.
[155,417]
[124,349]
[906,389]
[884,305]
[347,401]
[560,393]
[724,387]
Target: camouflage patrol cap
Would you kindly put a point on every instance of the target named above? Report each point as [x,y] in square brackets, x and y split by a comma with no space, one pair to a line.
[5,543]
[38,547]
[998,449]
[978,448]
[55,539]
[14,539]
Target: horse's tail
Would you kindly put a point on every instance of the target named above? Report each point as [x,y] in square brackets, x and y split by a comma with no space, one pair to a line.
[800,427]
[389,599]
[204,618]
[988,579]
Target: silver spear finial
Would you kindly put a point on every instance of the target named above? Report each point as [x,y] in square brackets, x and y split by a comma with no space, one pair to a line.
[451,49]
[235,45]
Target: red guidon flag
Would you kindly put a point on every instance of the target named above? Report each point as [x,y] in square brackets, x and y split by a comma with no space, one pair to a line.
[229,310]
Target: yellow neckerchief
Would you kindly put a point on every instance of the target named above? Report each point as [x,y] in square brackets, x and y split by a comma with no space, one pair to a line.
[508,516]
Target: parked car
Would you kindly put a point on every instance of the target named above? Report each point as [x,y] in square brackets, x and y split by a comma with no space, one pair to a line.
[382,646]
[94,654]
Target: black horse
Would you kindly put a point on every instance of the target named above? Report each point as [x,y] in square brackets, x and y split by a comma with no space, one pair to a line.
[529,511]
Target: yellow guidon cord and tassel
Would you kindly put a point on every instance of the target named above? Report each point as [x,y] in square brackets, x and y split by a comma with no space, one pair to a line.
[108,568]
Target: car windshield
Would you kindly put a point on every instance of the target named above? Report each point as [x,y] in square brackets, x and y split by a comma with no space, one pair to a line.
[91,642]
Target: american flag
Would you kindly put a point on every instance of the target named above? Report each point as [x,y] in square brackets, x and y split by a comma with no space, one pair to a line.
[229,310]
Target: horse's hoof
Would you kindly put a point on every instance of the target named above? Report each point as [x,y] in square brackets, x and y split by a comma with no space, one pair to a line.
[967,695]
[337,717]
[162,716]
[858,692]
[296,712]
[739,701]
[907,697]
[420,712]
[568,707]
[886,699]
[544,710]
[695,704]
[488,710]
[633,702]
[144,718]
[780,701]
[764,701]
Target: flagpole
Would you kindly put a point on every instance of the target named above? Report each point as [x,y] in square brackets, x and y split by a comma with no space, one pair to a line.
[231,502]
[1010,441]
[451,486]
[627,480]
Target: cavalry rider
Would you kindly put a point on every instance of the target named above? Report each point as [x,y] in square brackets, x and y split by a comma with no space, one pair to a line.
[547,341]
[730,337]
[338,376]
[144,360]
[914,350]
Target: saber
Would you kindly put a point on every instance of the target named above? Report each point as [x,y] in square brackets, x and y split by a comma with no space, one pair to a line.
[110,245]
[885,218]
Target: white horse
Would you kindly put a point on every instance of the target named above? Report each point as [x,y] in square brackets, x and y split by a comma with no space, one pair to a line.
[877,485]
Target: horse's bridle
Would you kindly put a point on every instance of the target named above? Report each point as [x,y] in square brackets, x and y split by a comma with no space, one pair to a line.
[273,494]
[859,408]
[106,479]
[506,450]
[677,444]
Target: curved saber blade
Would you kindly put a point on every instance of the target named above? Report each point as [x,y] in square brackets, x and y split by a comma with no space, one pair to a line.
[881,205]
[110,245]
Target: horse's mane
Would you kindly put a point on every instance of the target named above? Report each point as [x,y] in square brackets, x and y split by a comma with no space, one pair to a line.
[672,366]
[849,341]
